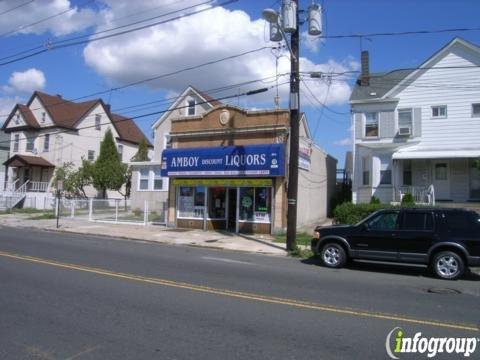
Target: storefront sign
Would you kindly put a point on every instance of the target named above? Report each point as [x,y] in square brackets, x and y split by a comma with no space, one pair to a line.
[249,160]
[224,182]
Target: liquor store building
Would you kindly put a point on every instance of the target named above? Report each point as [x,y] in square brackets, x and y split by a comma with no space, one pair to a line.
[227,170]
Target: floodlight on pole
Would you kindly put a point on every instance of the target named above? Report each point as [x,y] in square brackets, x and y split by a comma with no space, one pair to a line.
[270,15]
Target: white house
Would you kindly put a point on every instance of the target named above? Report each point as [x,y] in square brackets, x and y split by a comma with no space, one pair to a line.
[50,131]
[147,183]
[418,130]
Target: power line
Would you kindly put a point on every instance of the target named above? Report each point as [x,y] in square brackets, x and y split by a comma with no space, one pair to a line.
[17,7]
[44,19]
[400,33]
[159,76]
[50,44]
[322,104]
[245,93]
[61,44]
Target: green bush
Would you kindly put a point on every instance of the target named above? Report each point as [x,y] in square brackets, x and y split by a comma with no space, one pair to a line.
[348,213]
[374,200]
[408,200]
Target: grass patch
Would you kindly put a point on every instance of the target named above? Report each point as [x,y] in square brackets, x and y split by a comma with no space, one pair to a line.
[44,216]
[301,253]
[302,238]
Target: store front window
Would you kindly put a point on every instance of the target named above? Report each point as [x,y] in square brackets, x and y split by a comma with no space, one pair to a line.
[255,204]
[216,202]
[191,202]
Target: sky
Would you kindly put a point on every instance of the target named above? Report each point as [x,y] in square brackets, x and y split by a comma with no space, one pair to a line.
[222,49]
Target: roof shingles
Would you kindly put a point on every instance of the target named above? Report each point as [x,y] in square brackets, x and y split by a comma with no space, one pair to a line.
[68,114]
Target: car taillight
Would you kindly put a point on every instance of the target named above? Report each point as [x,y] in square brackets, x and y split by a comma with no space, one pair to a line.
[316,234]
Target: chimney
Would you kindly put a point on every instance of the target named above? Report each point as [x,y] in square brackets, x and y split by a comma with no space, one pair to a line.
[60,96]
[365,76]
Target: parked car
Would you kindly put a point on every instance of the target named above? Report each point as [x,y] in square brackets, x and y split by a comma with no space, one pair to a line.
[448,240]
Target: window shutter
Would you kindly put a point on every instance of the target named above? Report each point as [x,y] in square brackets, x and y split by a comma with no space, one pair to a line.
[358,125]
[417,122]
[386,122]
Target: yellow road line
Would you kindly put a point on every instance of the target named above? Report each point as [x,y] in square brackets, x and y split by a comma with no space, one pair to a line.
[241,295]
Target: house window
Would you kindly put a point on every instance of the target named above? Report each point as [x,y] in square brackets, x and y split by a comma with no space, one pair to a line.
[405,118]
[365,171]
[43,116]
[407,172]
[30,143]
[17,119]
[167,141]
[371,124]
[120,152]
[385,170]
[439,111]
[98,118]
[191,107]
[476,110]
[16,142]
[91,155]
[157,179]
[143,179]
[46,142]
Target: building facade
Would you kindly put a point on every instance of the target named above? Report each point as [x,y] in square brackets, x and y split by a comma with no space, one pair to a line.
[416,131]
[227,168]
[49,131]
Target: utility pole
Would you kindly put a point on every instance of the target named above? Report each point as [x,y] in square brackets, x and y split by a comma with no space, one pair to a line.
[292,189]
[288,21]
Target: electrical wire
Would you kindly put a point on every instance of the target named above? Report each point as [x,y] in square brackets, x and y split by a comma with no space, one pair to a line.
[17,7]
[400,33]
[23,27]
[245,93]
[156,77]
[60,44]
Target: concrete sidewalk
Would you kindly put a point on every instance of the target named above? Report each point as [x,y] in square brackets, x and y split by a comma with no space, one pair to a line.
[221,240]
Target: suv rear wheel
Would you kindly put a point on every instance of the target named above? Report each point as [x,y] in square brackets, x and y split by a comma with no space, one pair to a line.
[448,265]
[333,255]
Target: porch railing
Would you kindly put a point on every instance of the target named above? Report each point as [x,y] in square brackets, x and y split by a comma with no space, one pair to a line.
[38,186]
[9,186]
[421,194]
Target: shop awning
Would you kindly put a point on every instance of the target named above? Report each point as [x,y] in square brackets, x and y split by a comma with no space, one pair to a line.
[26,160]
[418,153]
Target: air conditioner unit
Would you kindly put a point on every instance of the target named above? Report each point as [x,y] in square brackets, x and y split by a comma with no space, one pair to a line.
[404,131]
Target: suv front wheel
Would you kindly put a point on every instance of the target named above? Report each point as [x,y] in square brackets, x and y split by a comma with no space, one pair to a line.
[333,255]
[448,265]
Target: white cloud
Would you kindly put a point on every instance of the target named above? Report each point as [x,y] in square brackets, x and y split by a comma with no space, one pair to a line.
[194,40]
[25,82]
[344,142]
[72,21]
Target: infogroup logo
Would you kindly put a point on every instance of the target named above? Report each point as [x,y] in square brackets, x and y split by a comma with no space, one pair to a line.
[398,343]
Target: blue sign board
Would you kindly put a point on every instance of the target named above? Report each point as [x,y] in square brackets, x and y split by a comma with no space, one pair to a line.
[248,160]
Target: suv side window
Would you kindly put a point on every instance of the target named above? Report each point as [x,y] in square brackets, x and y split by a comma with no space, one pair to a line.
[417,221]
[459,221]
[384,222]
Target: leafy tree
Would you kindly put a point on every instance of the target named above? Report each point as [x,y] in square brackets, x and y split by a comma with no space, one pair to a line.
[74,181]
[142,153]
[108,170]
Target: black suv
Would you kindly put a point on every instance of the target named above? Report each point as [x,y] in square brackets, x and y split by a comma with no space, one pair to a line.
[446,239]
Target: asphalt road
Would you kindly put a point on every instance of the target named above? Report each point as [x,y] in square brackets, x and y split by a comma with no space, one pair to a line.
[68,296]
